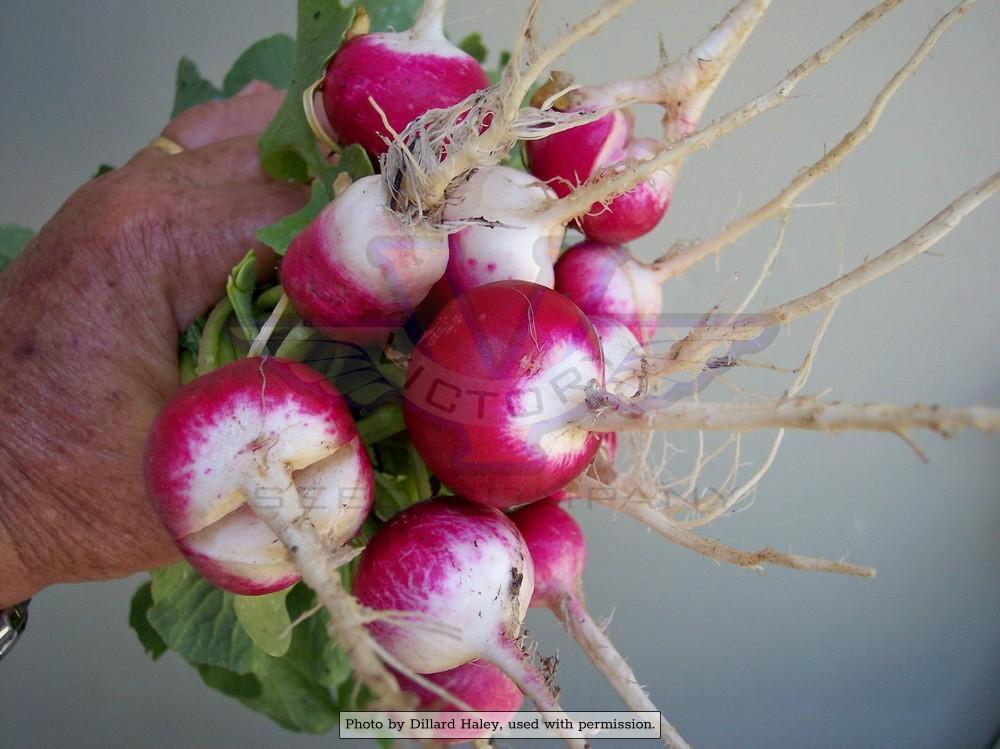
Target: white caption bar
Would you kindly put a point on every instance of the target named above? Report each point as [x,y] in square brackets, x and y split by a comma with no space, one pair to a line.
[623,725]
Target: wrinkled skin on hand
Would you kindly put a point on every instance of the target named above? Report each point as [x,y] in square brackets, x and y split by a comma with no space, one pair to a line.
[91,312]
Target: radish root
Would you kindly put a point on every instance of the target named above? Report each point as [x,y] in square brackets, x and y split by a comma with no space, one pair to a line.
[682,256]
[603,654]
[694,349]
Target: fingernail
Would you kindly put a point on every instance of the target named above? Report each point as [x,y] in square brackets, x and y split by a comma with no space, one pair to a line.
[255,87]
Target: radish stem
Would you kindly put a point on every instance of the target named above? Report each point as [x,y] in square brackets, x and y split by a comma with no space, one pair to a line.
[208,348]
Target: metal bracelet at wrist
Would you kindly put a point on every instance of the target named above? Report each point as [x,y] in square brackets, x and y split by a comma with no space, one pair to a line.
[12,623]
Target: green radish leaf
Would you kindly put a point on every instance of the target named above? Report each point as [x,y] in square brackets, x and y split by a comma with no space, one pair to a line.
[391,495]
[290,698]
[270,60]
[191,337]
[313,650]
[280,234]
[166,580]
[240,686]
[265,619]
[192,88]
[288,147]
[494,75]
[103,169]
[13,239]
[292,689]
[363,388]
[354,160]
[197,620]
[382,423]
[473,45]
[391,15]
[151,641]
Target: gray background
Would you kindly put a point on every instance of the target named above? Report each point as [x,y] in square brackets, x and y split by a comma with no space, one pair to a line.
[911,658]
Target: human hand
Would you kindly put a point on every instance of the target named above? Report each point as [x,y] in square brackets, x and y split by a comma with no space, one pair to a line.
[91,312]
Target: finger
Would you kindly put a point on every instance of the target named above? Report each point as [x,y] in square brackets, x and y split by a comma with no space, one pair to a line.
[203,262]
[228,161]
[246,114]
[254,87]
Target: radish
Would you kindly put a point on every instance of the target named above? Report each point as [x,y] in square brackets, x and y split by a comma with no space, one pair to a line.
[512,227]
[568,158]
[606,281]
[496,393]
[519,239]
[559,552]
[639,210]
[479,684]
[238,436]
[360,269]
[406,74]
[454,579]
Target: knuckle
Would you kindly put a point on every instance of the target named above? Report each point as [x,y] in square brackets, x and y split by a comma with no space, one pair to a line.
[132,215]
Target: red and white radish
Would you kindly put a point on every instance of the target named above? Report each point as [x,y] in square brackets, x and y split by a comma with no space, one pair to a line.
[360,269]
[405,73]
[639,210]
[496,393]
[569,158]
[606,281]
[478,684]
[559,552]
[240,435]
[517,237]
[565,159]
[455,579]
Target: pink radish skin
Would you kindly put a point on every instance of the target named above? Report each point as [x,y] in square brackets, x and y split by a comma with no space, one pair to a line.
[559,553]
[636,212]
[463,573]
[496,393]
[358,269]
[446,560]
[606,281]
[567,159]
[405,73]
[212,443]
[479,684]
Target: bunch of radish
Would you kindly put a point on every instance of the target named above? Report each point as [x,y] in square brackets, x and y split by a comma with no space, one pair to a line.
[516,349]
